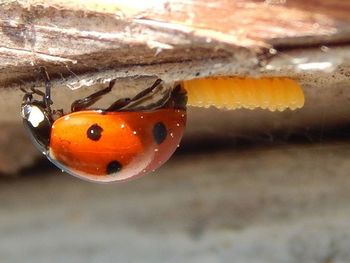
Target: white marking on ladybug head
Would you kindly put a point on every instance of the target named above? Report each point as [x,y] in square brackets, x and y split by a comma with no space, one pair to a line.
[25,111]
[35,116]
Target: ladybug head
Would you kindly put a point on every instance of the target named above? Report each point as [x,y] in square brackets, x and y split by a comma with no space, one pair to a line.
[37,120]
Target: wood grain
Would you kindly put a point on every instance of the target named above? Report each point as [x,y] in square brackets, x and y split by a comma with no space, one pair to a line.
[91,38]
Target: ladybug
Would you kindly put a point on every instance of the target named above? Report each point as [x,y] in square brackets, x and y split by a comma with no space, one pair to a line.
[126,140]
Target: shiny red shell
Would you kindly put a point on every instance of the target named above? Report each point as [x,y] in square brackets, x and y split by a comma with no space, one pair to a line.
[113,146]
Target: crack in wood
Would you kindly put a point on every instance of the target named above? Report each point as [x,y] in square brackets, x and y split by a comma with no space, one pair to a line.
[44,57]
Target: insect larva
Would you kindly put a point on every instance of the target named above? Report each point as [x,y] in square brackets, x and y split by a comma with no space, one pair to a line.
[278,93]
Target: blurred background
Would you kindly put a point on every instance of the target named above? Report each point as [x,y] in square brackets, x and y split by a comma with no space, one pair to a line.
[244,186]
[269,196]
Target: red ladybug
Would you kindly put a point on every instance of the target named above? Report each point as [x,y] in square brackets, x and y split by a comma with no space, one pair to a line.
[123,141]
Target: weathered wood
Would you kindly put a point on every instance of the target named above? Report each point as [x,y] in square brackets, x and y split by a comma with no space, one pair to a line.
[181,38]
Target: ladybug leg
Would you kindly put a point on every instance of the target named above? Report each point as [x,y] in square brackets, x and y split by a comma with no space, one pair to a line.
[38,92]
[28,95]
[146,91]
[84,103]
[118,104]
[58,113]
[124,102]
[178,99]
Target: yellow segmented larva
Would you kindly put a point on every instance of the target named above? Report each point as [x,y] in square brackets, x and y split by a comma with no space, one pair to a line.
[248,93]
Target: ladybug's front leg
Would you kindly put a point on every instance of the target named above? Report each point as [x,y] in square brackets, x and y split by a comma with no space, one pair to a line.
[28,95]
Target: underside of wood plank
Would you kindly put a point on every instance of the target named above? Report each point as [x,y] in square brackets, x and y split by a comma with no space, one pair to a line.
[82,43]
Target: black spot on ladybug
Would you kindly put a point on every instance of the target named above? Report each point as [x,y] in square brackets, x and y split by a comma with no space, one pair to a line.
[113,167]
[94,132]
[159,132]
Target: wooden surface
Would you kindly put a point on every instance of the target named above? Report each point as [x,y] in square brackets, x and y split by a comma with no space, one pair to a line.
[82,43]
[270,204]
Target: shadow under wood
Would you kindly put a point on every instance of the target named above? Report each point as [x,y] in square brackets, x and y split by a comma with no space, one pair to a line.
[239,142]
